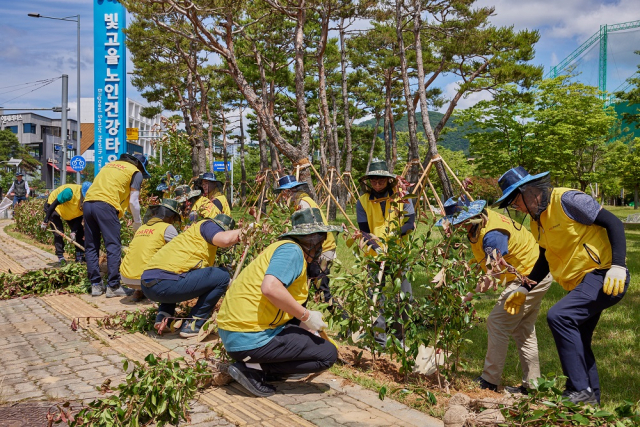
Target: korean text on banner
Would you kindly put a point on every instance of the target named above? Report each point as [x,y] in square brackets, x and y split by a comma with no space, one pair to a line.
[110,82]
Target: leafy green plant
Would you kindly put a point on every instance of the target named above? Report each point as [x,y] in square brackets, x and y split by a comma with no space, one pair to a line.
[545,406]
[157,391]
[72,278]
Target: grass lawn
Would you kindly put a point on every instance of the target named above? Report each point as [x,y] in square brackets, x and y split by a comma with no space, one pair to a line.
[616,344]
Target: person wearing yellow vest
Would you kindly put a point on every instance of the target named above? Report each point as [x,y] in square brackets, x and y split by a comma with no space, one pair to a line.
[377,220]
[115,189]
[489,232]
[156,231]
[297,196]
[259,321]
[212,201]
[65,202]
[183,269]
[584,248]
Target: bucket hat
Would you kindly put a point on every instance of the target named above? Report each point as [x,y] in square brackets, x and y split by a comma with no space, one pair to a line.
[139,160]
[461,210]
[183,192]
[209,176]
[288,181]
[155,210]
[85,188]
[377,169]
[309,221]
[511,180]
[225,221]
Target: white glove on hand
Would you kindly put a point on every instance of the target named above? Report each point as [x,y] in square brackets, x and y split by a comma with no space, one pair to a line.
[515,300]
[614,280]
[135,226]
[44,225]
[72,236]
[315,322]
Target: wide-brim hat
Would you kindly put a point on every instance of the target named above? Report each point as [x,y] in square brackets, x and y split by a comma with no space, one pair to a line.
[458,211]
[309,221]
[139,160]
[287,182]
[161,210]
[183,192]
[511,180]
[209,176]
[162,187]
[225,221]
[19,174]
[378,169]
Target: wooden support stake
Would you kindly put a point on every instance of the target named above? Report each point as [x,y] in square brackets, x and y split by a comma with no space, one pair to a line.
[331,195]
[330,185]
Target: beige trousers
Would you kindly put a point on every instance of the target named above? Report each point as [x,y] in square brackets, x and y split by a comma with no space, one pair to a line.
[522,327]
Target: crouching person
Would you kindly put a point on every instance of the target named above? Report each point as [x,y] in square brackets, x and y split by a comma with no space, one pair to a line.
[183,269]
[259,318]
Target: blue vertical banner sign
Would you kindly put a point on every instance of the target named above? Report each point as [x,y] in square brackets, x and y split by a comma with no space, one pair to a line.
[109,82]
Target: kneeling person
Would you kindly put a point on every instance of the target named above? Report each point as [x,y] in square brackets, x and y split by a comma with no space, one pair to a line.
[258,318]
[183,270]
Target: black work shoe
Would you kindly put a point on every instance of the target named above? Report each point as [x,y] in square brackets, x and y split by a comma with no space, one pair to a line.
[251,379]
[119,291]
[582,396]
[484,384]
[284,377]
[517,390]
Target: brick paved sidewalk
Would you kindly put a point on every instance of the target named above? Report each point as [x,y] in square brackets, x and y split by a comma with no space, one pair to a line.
[20,256]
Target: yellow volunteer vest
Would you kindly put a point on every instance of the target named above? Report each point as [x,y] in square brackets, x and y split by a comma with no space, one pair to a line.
[71,209]
[205,208]
[148,240]
[330,243]
[225,205]
[246,309]
[185,252]
[381,225]
[523,249]
[572,249]
[113,185]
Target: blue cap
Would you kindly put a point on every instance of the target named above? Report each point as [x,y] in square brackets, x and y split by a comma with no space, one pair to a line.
[288,181]
[209,176]
[461,210]
[162,187]
[511,180]
[85,188]
[19,174]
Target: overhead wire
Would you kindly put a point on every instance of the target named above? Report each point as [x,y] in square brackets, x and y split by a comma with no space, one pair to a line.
[41,85]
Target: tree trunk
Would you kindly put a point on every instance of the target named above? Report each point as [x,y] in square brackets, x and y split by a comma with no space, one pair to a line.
[387,120]
[243,170]
[323,147]
[375,137]
[394,143]
[411,118]
[447,188]
[345,100]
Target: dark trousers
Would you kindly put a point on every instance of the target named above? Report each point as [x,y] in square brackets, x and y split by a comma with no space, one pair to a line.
[75,225]
[17,200]
[292,351]
[207,284]
[101,221]
[572,321]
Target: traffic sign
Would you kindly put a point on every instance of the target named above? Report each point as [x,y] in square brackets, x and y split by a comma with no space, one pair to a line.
[78,163]
[219,166]
[132,134]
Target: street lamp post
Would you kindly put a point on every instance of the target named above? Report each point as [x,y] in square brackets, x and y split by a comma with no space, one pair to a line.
[79,125]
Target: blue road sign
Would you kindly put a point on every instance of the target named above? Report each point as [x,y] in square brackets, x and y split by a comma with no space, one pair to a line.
[78,163]
[219,166]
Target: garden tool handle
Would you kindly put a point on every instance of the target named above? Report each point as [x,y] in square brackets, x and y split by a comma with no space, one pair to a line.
[244,255]
[60,233]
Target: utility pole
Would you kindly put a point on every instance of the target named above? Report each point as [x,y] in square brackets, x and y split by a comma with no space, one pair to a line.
[63,130]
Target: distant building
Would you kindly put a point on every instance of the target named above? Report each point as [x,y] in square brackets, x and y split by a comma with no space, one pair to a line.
[42,138]
[148,129]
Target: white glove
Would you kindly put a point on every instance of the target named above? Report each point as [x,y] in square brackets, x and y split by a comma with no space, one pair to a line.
[135,226]
[44,225]
[72,236]
[315,322]
[614,280]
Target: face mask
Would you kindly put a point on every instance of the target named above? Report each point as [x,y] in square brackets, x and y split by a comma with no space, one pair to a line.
[312,244]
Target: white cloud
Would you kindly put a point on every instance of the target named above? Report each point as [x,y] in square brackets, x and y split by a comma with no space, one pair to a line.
[470,100]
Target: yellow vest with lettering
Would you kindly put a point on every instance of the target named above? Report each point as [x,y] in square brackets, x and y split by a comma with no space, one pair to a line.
[147,241]
[572,249]
[522,246]
[185,252]
[330,243]
[72,208]
[205,208]
[112,185]
[246,309]
[225,204]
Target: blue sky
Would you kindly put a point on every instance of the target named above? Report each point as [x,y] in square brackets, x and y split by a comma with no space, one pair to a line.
[35,49]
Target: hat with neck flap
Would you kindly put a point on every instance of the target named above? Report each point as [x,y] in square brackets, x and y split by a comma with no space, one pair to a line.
[377,169]
[309,221]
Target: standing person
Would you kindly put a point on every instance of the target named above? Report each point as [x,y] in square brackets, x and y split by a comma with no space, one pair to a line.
[584,248]
[115,189]
[297,195]
[19,190]
[65,202]
[183,269]
[496,233]
[259,316]
[378,220]
[156,231]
